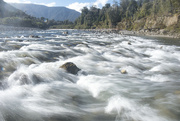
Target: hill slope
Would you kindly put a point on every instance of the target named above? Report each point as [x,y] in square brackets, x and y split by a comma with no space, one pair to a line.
[56,13]
[146,16]
[7,10]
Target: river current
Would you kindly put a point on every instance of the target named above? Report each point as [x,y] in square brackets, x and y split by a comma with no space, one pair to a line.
[34,88]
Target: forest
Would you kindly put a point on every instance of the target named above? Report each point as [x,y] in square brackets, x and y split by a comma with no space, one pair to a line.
[129,15]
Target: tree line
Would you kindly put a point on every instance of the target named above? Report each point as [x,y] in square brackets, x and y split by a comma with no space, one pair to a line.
[110,16]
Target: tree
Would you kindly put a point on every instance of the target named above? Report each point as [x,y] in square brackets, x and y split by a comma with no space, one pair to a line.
[131,9]
[113,15]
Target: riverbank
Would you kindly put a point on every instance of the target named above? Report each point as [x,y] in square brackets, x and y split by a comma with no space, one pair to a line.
[151,33]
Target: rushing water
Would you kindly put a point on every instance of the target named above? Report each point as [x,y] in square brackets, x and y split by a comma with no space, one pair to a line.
[34,88]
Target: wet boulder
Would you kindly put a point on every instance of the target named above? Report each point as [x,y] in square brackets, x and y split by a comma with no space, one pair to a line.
[123,71]
[129,43]
[70,68]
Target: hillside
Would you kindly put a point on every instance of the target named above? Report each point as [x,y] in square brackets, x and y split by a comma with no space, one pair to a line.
[7,10]
[56,13]
[144,16]
[10,16]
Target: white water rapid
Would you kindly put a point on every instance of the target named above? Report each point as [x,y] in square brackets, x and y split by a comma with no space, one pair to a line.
[34,88]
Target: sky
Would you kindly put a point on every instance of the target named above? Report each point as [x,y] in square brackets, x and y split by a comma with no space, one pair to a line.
[72,4]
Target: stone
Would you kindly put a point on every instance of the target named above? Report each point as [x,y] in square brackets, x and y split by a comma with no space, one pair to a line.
[65,33]
[123,71]
[70,68]
[129,43]
[34,36]
[20,40]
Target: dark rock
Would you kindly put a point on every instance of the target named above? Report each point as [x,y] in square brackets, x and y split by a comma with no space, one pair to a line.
[70,68]
[129,43]
[34,36]
[20,40]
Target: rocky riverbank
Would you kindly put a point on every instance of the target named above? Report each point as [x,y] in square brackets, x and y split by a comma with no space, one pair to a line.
[143,32]
[158,33]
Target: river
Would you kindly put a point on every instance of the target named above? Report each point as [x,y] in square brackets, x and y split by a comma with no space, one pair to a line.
[34,88]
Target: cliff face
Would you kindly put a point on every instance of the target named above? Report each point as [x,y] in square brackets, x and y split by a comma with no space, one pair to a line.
[162,22]
[163,25]
[153,17]
[160,25]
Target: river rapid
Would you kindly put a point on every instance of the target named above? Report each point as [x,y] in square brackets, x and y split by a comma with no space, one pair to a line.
[34,88]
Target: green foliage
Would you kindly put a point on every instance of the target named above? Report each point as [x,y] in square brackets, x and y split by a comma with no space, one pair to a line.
[128,14]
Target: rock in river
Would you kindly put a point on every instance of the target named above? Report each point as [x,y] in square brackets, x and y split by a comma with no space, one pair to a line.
[70,68]
[123,71]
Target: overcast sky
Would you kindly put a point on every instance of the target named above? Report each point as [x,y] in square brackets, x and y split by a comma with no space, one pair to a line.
[72,4]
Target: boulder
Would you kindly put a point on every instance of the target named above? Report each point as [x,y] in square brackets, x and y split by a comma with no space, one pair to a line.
[129,43]
[123,71]
[70,68]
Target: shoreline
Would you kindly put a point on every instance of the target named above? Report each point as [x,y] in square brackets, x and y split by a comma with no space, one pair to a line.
[159,33]
[142,33]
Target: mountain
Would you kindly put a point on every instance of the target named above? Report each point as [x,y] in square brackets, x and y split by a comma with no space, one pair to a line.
[56,13]
[6,10]
[11,16]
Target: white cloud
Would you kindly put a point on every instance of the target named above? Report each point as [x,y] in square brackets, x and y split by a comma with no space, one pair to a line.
[48,4]
[78,6]
[100,2]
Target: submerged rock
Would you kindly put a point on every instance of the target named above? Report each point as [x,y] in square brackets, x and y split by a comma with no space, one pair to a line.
[70,68]
[20,40]
[34,36]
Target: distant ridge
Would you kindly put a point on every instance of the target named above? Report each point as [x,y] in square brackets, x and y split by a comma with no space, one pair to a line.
[56,13]
[6,10]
